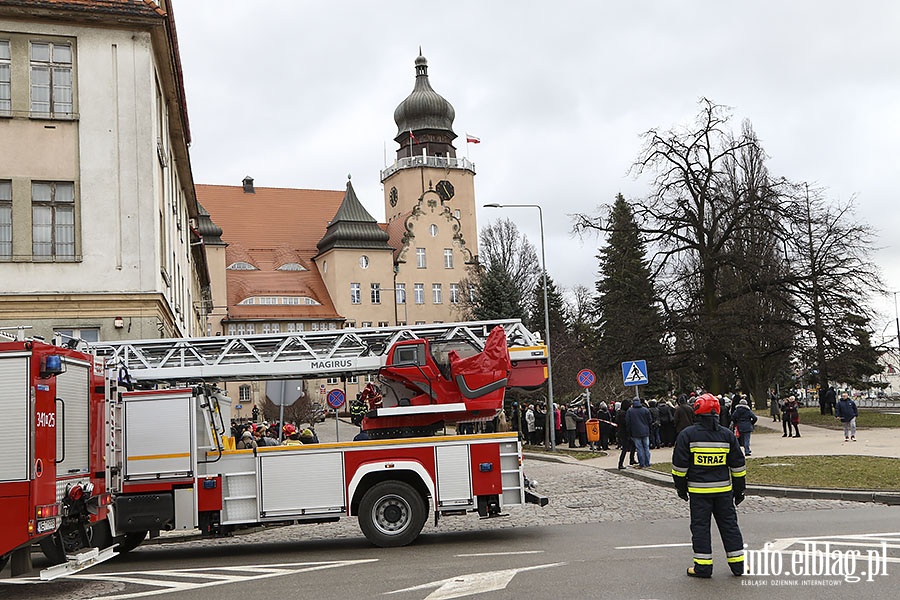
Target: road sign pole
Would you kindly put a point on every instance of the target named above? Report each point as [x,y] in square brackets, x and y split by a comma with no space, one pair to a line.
[587,401]
[281,414]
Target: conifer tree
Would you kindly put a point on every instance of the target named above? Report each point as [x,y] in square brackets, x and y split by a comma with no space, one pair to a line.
[628,321]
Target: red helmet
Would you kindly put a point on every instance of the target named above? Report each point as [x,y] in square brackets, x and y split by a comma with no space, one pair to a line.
[289,429]
[706,404]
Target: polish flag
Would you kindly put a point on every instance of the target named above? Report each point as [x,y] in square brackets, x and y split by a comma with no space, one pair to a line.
[412,137]
[471,139]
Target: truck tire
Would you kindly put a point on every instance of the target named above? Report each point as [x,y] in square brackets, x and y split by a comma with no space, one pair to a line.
[130,541]
[52,547]
[391,514]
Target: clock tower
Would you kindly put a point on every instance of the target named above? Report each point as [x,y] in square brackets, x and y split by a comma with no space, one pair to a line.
[427,175]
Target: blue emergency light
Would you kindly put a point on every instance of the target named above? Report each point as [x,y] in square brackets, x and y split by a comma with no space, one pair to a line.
[52,365]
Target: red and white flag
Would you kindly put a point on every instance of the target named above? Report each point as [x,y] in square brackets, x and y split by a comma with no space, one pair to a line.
[412,137]
[471,139]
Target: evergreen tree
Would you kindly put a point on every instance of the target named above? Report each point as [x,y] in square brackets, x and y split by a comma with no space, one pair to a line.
[628,321]
[496,296]
[503,280]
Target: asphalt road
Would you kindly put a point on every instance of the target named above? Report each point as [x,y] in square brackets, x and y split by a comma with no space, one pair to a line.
[603,536]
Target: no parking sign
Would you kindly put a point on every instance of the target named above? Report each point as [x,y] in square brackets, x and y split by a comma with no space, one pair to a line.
[336,398]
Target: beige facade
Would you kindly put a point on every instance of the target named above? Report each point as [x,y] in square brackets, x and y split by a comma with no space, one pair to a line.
[96,194]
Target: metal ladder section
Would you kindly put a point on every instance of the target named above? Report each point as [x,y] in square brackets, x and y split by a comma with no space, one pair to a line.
[303,354]
[511,477]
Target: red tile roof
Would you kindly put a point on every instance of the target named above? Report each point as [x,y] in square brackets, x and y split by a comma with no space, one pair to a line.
[269,228]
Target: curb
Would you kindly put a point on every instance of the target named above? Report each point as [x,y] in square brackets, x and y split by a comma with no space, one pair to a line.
[876,496]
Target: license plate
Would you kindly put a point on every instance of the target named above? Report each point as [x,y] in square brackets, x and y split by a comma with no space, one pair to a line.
[46,525]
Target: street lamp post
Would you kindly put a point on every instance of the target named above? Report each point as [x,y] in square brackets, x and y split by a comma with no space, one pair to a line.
[550,436]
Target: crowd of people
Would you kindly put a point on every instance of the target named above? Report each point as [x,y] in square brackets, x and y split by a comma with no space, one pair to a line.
[634,427]
[249,435]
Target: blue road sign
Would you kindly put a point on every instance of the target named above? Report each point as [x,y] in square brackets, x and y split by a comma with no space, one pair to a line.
[634,372]
[586,378]
[336,398]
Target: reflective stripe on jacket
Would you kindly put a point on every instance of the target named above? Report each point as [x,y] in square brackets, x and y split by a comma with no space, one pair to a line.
[708,457]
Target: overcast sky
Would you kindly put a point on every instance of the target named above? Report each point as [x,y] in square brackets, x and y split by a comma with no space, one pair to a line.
[301,94]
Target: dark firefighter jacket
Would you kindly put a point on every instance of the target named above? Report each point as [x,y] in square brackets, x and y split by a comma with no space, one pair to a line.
[707,458]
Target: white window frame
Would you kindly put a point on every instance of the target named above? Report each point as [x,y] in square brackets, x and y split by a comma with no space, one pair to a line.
[400,291]
[6,225]
[433,229]
[61,93]
[454,293]
[448,258]
[437,293]
[355,294]
[420,258]
[55,249]
[375,293]
[419,293]
[5,78]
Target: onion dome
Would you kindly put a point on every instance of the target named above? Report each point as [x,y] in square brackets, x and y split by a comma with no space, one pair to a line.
[424,109]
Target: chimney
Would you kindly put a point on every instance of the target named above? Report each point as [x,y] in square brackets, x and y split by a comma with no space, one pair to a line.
[248,185]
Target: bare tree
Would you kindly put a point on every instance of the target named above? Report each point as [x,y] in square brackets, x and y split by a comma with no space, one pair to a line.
[707,186]
[833,274]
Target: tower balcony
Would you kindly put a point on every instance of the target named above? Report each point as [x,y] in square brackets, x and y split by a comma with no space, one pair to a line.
[440,162]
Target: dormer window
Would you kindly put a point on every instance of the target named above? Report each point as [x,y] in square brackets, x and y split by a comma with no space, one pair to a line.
[292,267]
[241,266]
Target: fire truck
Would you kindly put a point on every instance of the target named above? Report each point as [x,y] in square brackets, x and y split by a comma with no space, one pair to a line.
[53,482]
[171,464]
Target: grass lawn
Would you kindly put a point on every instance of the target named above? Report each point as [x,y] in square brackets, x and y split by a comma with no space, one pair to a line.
[579,454]
[836,472]
[868,417]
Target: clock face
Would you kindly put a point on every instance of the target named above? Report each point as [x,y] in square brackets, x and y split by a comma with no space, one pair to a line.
[444,189]
[393,196]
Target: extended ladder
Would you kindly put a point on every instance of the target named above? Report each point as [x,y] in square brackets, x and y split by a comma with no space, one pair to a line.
[305,354]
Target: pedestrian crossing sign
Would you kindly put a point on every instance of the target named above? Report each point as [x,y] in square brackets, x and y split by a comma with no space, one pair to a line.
[634,372]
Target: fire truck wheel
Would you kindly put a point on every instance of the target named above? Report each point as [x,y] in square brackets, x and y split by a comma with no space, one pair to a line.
[392,514]
[52,547]
[101,537]
[130,541]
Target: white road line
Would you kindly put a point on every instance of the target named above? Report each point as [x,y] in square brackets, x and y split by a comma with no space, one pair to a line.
[500,553]
[211,575]
[653,546]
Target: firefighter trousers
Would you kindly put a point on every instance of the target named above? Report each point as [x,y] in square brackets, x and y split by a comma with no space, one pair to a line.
[720,506]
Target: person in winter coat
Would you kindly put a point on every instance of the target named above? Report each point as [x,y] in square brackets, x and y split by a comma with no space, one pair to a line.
[725,410]
[845,410]
[622,437]
[655,441]
[790,417]
[684,415]
[743,419]
[607,418]
[529,424]
[246,442]
[666,423]
[572,419]
[639,425]
[709,472]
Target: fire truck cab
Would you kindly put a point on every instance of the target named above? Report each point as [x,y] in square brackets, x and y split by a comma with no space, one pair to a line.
[53,485]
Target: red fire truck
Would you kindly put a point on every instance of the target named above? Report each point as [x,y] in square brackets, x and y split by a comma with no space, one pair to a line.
[153,431]
[53,485]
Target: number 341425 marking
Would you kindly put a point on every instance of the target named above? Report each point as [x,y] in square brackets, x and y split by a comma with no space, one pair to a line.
[46,419]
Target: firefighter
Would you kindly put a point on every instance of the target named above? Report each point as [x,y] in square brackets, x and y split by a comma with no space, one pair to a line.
[709,471]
